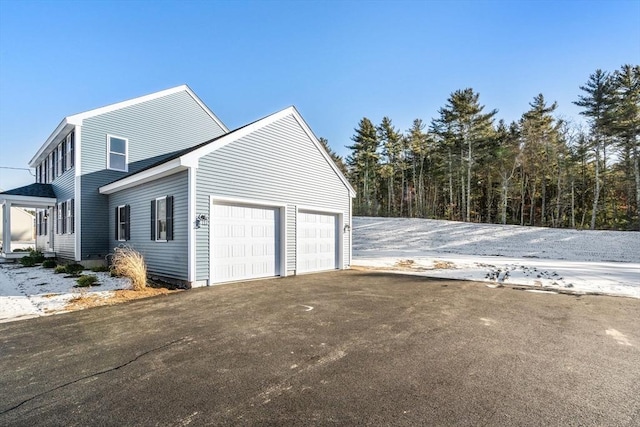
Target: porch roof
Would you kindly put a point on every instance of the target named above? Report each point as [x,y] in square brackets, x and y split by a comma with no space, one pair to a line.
[32,195]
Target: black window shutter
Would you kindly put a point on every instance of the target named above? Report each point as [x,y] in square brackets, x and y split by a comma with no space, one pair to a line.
[127,224]
[153,220]
[117,223]
[169,217]
[73,217]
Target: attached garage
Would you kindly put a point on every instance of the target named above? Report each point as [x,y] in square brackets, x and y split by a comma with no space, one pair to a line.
[318,244]
[245,242]
[261,201]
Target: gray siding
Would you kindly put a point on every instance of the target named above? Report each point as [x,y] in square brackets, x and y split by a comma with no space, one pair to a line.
[155,129]
[276,163]
[64,188]
[163,258]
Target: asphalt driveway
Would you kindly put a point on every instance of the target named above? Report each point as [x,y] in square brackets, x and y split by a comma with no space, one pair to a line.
[341,348]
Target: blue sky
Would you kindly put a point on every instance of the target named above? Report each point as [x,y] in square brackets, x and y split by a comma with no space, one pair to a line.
[336,61]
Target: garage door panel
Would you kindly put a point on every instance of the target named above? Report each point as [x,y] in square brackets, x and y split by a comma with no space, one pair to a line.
[244,242]
[317,243]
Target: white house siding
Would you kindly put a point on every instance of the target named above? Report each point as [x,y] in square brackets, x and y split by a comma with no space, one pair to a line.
[168,258]
[155,129]
[276,163]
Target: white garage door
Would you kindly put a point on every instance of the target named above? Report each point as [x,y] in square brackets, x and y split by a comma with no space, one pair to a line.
[244,242]
[317,249]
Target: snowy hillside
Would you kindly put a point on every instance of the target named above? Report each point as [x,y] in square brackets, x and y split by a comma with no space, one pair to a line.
[569,260]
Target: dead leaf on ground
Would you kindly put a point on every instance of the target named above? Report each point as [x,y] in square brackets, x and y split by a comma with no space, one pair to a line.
[87,300]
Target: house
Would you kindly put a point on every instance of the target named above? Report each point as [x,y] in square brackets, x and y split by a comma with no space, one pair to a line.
[203,204]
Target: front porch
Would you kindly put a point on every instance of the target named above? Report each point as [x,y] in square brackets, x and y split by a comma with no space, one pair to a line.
[34,196]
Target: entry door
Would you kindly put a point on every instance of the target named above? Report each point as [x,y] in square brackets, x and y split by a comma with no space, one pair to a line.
[317,242]
[245,242]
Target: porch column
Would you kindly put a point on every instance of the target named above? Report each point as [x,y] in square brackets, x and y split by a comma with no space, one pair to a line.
[6,227]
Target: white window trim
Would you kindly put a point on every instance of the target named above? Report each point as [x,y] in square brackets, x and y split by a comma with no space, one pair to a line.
[68,216]
[121,238]
[67,153]
[61,215]
[158,219]
[126,153]
[60,159]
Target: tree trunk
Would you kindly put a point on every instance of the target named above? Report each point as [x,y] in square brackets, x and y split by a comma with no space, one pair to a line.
[596,193]
[503,199]
[469,182]
[532,199]
[559,190]
[450,188]
[636,173]
[543,209]
[573,206]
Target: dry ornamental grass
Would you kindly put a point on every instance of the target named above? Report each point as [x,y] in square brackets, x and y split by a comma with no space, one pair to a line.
[128,262]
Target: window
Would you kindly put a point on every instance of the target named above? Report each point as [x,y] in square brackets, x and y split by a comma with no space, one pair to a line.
[69,151]
[38,171]
[50,166]
[123,227]
[60,156]
[54,164]
[162,219]
[70,216]
[45,172]
[60,213]
[117,153]
[43,217]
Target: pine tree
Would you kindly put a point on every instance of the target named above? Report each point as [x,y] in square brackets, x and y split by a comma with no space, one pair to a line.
[540,138]
[626,121]
[390,139]
[463,114]
[337,159]
[363,166]
[597,104]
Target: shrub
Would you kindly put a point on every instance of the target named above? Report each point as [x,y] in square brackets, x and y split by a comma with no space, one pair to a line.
[37,256]
[22,250]
[129,263]
[49,263]
[74,269]
[99,268]
[27,261]
[60,269]
[86,281]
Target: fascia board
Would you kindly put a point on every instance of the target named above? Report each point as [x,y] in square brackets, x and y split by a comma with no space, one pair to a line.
[64,125]
[160,171]
[27,201]
[78,118]
[206,109]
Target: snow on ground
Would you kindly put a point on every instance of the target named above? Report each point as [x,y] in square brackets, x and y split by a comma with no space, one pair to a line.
[35,291]
[605,262]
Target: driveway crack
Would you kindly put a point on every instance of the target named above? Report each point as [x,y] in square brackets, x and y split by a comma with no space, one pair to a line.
[115,368]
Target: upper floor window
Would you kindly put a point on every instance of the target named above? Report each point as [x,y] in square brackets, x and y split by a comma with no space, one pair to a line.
[45,171]
[60,168]
[117,156]
[52,166]
[69,152]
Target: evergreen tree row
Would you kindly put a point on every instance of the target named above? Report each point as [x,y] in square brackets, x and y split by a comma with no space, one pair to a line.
[540,170]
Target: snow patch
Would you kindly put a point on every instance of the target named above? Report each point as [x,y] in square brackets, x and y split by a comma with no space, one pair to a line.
[602,262]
